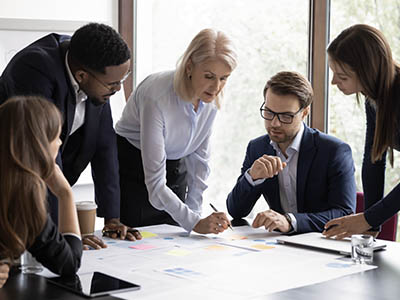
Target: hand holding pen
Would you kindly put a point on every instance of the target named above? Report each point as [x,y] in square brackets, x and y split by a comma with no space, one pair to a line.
[213,207]
[216,223]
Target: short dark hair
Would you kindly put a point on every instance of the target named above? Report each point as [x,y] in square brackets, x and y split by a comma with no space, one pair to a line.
[291,83]
[97,46]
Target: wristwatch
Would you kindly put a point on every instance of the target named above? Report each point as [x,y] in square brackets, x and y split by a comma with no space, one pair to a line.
[289,219]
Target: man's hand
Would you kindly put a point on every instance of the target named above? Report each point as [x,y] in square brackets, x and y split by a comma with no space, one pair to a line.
[271,220]
[266,167]
[113,228]
[4,269]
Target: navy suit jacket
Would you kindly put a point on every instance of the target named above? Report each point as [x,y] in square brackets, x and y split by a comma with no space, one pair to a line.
[39,69]
[325,188]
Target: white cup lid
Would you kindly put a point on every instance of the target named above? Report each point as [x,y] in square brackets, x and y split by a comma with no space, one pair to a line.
[86,205]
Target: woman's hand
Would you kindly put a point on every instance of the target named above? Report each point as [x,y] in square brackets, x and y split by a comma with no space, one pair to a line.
[4,269]
[346,226]
[215,223]
[58,184]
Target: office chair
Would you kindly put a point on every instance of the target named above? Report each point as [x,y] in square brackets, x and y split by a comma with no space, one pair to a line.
[389,228]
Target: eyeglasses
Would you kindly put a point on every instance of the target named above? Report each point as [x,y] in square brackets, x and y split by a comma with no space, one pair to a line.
[285,118]
[109,86]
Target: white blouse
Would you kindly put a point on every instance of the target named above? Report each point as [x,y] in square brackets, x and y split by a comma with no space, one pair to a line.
[163,126]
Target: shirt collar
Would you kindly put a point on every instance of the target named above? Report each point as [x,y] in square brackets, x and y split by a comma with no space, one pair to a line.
[80,95]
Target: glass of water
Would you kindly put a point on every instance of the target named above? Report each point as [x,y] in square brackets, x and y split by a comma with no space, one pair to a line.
[29,264]
[362,248]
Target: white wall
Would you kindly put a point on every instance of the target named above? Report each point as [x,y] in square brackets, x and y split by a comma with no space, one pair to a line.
[103,11]
[23,21]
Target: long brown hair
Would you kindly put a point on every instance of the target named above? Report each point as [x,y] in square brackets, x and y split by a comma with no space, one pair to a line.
[366,51]
[27,126]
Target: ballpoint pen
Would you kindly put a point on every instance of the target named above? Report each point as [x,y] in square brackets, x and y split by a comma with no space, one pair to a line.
[118,232]
[216,210]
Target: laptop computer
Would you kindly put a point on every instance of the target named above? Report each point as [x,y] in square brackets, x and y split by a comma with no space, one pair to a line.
[316,240]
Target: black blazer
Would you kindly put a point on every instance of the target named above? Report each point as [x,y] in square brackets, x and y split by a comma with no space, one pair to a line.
[325,188]
[61,254]
[39,69]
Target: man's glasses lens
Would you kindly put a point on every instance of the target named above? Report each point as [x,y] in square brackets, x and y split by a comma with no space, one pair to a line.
[270,115]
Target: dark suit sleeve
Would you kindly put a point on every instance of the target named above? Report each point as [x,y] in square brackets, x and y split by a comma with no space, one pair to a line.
[24,76]
[105,168]
[60,254]
[341,190]
[243,196]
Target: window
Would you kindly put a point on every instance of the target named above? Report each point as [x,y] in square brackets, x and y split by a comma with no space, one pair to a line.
[270,36]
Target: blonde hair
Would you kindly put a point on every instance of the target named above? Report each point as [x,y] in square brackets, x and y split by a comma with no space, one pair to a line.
[207,44]
[27,127]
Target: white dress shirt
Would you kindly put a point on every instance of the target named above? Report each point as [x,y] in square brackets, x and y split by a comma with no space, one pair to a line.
[288,177]
[80,96]
[163,126]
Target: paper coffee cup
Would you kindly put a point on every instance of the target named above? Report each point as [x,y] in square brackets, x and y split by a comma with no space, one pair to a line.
[86,216]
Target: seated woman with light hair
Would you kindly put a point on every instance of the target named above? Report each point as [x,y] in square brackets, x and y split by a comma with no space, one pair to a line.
[29,141]
[164,138]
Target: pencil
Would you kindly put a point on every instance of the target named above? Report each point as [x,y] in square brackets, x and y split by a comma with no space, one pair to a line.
[216,210]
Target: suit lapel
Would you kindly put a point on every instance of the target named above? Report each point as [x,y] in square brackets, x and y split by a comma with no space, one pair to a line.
[70,101]
[305,160]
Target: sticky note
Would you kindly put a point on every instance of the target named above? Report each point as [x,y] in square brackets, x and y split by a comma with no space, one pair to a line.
[237,237]
[262,247]
[146,234]
[142,247]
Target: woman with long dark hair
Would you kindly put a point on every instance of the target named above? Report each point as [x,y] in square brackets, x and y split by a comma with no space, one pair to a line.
[362,64]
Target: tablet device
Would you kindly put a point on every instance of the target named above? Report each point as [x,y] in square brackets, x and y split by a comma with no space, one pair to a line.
[94,284]
[317,241]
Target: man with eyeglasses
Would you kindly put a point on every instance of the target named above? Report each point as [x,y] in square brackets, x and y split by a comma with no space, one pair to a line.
[79,74]
[306,176]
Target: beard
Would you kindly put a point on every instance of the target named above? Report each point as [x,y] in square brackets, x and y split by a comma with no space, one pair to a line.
[280,137]
[100,101]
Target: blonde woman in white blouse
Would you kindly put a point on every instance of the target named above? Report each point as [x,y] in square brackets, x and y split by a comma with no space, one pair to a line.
[164,134]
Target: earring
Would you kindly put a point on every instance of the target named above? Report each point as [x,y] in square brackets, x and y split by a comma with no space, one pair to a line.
[190,77]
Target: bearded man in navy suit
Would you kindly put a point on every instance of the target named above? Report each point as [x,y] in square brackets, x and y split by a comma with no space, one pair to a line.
[79,74]
[306,176]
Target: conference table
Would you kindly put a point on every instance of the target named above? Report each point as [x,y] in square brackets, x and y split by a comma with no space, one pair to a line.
[380,283]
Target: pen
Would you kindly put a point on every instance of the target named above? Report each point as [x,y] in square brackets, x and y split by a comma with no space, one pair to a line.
[216,210]
[118,232]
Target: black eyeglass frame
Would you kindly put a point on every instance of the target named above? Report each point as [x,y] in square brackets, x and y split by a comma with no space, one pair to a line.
[278,114]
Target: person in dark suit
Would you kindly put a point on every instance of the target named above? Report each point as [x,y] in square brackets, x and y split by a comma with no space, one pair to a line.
[79,74]
[306,176]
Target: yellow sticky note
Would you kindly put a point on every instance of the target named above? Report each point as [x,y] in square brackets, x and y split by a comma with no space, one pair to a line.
[262,247]
[215,247]
[146,234]
[178,252]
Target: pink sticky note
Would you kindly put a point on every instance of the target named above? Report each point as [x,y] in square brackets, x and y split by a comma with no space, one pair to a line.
[142,247]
